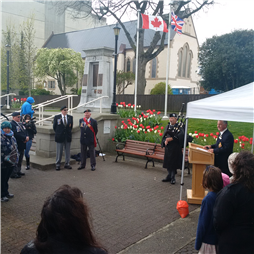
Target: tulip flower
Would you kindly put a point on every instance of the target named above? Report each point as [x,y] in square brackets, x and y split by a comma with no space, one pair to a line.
[195,132]
[161,134]
[113,139]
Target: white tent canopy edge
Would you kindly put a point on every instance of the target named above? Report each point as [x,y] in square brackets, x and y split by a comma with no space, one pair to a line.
[236,105]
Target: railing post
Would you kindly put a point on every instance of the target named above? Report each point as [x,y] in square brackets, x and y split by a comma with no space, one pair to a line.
[100,105]
[42,109]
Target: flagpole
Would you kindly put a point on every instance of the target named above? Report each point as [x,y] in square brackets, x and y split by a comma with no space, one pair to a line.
[168,56]
[136,69]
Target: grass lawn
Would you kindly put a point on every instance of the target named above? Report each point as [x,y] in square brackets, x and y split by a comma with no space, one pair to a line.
[210,126]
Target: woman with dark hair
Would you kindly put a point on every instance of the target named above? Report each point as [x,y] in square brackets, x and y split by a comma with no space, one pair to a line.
[234,208]
[31,130]
[65,226]
[207,239]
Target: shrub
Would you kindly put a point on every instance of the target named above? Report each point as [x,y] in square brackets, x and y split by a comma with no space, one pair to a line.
[160,89]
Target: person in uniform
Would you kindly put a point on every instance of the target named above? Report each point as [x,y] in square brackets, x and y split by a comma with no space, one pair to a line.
[223,147]
[21,135]
[88,132]
[172,141]
[62,126]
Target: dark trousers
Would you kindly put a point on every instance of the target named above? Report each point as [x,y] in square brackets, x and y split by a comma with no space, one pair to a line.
[84,152]
[17,169]
[5,175]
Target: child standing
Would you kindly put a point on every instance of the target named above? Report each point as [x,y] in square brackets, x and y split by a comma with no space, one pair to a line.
[206,239]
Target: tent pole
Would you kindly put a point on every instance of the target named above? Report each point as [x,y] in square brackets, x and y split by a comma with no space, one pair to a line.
[252,139]
[183,161]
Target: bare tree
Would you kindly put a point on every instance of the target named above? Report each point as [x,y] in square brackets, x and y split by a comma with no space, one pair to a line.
[119,8]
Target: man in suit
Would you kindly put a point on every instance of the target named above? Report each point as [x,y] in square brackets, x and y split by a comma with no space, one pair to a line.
[223,147]
[62,126]
[88,131]
[21,135]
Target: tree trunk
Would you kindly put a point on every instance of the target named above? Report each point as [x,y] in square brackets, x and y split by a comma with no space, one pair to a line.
[60,85]
[141,84]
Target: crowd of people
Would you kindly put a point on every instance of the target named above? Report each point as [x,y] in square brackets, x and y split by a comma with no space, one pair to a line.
[226,220]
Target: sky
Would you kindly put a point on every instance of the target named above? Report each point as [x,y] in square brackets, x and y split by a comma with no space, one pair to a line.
[223,17]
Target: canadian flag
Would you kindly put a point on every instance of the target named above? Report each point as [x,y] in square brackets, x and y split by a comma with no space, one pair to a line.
[154,22]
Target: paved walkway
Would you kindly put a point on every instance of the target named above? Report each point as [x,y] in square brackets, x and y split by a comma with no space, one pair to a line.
[133,211]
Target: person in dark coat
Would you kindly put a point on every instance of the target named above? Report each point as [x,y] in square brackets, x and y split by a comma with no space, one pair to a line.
[234,209]
[9,158]
[31,130]
[65,226]
[21,135]
[172,140]
[223,147]
[62,126]
[88,132]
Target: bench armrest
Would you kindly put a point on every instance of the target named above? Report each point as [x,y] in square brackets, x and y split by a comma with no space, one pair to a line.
[120,145]
[151,151]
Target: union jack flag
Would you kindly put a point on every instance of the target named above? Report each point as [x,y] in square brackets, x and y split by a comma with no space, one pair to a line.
[176,23]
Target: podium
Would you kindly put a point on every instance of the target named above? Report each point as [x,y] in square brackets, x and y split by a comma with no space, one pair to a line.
[199,158]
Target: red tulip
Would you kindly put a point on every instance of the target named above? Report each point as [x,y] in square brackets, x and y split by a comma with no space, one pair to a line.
[197,136]
[211,134]
[113,139]
[145,132]
[236,141]
[158,112]
[14,99]
[148,127]
[162,127]
[121,103]
[138,131]
[161,134]
[117,104]
[154,110]
[115,127]
[207,135]
[195,132]
[24,99]
[217,133]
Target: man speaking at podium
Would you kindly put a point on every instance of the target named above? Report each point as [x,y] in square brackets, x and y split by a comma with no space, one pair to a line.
[223,147]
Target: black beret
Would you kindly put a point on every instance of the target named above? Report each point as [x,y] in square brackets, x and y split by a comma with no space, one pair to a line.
[63,107]
[15,114]
[87,110]
[172,115]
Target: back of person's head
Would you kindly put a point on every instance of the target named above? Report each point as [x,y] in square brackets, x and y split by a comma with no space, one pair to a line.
[243,167]
[65,216]
[30,100]
[27,117]
[212,179]
[231,159]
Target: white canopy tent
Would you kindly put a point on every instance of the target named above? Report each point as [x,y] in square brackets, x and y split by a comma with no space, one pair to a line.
[236,105]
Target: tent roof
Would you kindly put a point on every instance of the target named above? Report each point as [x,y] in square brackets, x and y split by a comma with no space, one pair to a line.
[235,105]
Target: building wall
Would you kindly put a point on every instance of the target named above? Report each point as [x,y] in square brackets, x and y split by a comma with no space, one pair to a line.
[46,19]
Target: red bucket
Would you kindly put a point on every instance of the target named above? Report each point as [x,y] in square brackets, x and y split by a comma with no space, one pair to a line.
[183,208]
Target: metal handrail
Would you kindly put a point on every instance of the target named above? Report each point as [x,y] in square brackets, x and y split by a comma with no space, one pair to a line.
[40,106]
[7,95]
[100,98]
[8,99]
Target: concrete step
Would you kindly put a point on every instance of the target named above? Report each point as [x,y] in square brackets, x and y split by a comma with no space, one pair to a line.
[44,163]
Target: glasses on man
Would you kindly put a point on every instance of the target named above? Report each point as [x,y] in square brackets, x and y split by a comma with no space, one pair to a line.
[65,109]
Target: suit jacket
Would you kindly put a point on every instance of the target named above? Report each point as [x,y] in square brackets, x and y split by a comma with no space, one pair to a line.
[86,135]
[62,132]
[222,149]
[20,133]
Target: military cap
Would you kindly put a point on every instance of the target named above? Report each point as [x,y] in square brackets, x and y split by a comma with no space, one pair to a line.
[15,114]
[87,110]
[172,115]
[63,107]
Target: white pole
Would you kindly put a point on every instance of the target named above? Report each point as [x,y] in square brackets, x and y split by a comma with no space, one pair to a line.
[136,70]
[183,161]
[168,56]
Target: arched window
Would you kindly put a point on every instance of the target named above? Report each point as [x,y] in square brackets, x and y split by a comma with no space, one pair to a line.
[134,65]
[128,65]
[184,61]
[154,68]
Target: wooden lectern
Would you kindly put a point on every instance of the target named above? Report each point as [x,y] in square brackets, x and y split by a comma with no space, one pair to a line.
[199,158]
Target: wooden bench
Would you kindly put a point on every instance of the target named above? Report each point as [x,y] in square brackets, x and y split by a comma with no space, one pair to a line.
[133,147]
[157,153]
[151,151]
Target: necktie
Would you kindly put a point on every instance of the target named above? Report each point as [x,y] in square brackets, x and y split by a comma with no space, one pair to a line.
[21,127]
[65,120]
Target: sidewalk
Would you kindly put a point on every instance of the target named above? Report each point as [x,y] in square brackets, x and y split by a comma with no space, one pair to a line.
[132,210]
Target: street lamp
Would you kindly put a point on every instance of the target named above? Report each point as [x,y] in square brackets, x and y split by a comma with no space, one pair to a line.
[8,47]
[113,106]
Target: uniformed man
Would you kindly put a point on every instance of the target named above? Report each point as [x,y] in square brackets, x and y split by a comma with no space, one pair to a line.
[62,126]
[172,141]
[88,131]
[21,135]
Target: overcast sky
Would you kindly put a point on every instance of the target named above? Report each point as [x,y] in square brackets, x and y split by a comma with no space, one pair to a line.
[223,17]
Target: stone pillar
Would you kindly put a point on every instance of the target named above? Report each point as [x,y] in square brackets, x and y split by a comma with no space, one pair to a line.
[97,79]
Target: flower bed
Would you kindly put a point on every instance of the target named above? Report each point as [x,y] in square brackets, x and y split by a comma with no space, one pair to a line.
[145,126]
[241,143]
[16,103]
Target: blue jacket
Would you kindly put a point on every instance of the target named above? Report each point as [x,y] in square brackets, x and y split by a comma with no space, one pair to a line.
[8,149]
[27,107]
[205,231]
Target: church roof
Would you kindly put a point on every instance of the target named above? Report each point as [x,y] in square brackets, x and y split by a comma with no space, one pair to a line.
[99,37]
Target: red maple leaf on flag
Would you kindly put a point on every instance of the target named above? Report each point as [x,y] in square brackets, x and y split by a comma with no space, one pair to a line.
[156,22]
